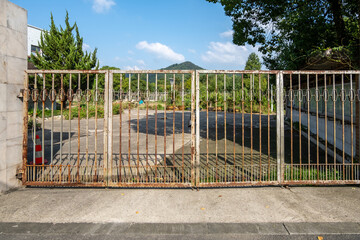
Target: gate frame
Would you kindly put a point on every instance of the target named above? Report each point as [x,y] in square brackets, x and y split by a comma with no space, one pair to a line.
[109,98]
[195,127]
[279,135]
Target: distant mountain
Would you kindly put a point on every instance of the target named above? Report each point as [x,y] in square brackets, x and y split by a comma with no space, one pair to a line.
[183,66]
[177,66]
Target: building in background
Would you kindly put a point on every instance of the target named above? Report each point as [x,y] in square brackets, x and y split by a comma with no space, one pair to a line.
[34,34]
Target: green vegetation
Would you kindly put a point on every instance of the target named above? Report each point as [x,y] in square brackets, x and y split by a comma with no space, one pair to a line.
[305,176]
[91,111]
[62,49]
[253,62]
[291,32]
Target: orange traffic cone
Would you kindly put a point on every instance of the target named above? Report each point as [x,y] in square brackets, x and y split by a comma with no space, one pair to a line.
[38,153]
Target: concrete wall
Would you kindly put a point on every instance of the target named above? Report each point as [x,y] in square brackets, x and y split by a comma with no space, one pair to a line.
[13,63]
[330,130]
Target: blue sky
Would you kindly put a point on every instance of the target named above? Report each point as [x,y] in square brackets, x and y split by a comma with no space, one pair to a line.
[147,34]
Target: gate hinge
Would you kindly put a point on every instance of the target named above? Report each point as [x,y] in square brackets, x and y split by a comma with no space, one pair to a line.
[19,173]
[21,94]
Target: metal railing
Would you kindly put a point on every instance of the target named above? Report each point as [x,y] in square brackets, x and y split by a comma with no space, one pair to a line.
[190,128]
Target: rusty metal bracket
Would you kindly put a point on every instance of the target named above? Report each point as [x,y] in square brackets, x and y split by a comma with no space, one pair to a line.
[19,173]
[21,94]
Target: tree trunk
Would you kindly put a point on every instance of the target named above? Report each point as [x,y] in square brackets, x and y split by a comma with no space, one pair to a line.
[336,9]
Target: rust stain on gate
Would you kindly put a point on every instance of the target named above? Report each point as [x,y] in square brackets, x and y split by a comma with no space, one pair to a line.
[182,128]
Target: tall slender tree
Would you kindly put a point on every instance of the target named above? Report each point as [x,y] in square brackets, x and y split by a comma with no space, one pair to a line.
[62,49]
[253,62]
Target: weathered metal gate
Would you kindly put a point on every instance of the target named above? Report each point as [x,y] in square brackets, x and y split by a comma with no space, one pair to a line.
[190,128]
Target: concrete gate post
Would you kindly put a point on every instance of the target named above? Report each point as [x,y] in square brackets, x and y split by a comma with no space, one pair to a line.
[13,63]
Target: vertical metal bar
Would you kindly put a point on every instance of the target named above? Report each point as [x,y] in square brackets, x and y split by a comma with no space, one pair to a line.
[156,107]
[193,183]
[317,126]
[129,128]
[78,134]
[96,117]
[308,93]
[334,126]
[43,99]
[34,125]
[53,99]
[234,129]
[242,127]
[183,120]
[325,95]
[251,125]
[70,96]
[137,132]
[164,160]
[268,110]
[260,100]
[87,127]
[352,95]
[147,127]
[300,98]
[173,135]
[197,121]
[280,127]
[207,127]
[343,96]
[216,127]
[108,127]
[225,153]
[61,116]
[25,166]
[120,127]
[291,132]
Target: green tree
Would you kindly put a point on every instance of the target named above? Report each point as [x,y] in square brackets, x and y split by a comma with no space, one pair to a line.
[62,49]
[290,32]
[253,62]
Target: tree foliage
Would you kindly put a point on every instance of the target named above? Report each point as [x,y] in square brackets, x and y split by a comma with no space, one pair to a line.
[63,49]
[290,32]
[253,62]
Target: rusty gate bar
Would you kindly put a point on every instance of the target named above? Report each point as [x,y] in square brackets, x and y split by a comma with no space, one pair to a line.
[197,122]
[108,127]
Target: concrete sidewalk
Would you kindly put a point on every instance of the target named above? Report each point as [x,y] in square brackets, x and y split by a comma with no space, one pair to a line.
[254,211]
[220,205]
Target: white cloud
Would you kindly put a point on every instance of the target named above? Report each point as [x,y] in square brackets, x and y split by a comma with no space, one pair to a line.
[86,47]
[141,62]
[192,51]
[117,58]
[131,68]
[161,51]
[101,6]
[228,53]
[227,34]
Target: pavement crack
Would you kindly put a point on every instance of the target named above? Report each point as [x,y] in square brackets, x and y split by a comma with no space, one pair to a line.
[286,229]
